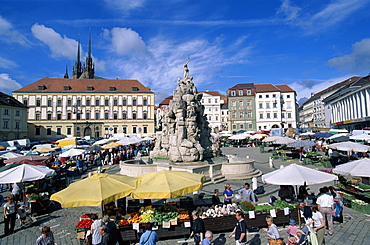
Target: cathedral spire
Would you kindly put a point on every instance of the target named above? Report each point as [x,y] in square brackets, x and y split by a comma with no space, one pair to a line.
[89,69]
[77,69]
[66,74]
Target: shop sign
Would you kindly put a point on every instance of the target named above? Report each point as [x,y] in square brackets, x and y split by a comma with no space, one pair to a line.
[347,121]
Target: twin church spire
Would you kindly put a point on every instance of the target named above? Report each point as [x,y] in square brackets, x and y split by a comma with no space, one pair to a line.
[87,71]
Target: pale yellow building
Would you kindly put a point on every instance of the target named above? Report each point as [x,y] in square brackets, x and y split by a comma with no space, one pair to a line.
[87,107]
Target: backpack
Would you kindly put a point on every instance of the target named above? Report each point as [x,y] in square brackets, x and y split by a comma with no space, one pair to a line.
[260,190]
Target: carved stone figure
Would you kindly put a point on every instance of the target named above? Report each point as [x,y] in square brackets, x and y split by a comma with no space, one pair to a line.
[186,132]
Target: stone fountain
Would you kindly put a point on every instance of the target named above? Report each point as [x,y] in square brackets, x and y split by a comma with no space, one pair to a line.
[186,143]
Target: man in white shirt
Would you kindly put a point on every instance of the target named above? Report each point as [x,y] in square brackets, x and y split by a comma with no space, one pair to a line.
[326,207]
[247,194]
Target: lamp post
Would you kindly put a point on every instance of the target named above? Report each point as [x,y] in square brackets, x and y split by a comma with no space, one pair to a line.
[75,111]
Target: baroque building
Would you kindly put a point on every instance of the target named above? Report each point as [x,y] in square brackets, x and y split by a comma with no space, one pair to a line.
[86,105]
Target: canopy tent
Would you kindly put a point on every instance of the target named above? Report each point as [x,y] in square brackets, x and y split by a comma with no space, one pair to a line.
[29,158]
[307,133]
[95,190]
[322,135]
[284,141]
[350,146]
[238,137]
[341,139]
[10,155]
[256,137]
[359,168]
[44,150]
[2,147]
[338,130]
[25,172]
[271,138]
[167,184]
[334,136]
[240,131]
[295,174]
[129,141]
[102,141]
[8,166]
[30,162]
[95,148]
[72,152]
[302,143]
[360,137]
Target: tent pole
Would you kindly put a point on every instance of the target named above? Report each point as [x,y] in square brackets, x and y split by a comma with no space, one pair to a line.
[299,211]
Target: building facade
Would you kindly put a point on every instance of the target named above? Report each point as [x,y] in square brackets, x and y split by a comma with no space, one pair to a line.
[212,109]
[13,118]
[241,106]
[87,107]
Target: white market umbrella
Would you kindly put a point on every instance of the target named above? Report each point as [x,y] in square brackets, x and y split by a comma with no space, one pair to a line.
[271,138]
[284,141]
[307,133]
[237,137]
[295,174]
[350,146]
[359,168]
[10,155]
[302,143]
[360,137]
[334,136]
[72,152]
[102,141]
[256,137]
[25,172]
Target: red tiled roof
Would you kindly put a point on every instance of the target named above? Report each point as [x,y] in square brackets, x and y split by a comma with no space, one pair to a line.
[56,85]
[242,85]
[285,88]
[260,88]
[214,93]
[166,101]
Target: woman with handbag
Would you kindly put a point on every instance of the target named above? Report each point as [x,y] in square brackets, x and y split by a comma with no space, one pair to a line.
[272,232]
[149,237]
[198,229]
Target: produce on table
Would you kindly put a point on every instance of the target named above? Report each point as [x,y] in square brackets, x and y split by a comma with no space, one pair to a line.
[247,206]
[134,218]
[217,211]
[84,223]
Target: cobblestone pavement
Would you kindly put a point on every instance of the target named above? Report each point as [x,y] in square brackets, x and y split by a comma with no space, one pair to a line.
[355,230]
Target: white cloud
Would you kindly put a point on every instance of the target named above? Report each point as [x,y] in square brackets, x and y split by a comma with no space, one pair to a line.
[357,61]
[290,13]
[7,64]
[9,35]
[7,85]
[305,87]
[125,5]
[59,46]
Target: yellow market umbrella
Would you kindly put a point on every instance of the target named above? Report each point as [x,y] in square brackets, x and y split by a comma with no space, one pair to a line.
[97,190]
[44,150]
[2,147]
[114,144]
[107,146]
[167,184]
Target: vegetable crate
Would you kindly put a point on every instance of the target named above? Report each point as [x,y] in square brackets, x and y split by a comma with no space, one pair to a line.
[360,206]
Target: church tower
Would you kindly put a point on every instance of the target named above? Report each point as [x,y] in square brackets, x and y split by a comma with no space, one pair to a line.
[66,74]
[88,70]
[77,69]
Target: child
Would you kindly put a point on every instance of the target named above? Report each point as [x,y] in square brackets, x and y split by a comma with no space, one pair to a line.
[292,229]
[22,215]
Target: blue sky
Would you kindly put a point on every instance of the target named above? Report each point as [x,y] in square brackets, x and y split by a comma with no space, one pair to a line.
[309,45]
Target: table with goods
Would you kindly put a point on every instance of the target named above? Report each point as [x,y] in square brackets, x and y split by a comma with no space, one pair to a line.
[174,220]
[356,196]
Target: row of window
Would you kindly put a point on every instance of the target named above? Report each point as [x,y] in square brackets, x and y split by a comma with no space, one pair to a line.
[275,115]
[88,116]
[135,130]
[241,103]
[209,101]
[88,102]
[6,112]
[241,126]
[88,88]
[210,118]
[6,125]
[274,105]
[242,115]
[240,92]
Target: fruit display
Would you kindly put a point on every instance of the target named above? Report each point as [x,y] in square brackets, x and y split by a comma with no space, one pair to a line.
[184,214]
[84,224]
[135,218]
[217,211]
[247,206]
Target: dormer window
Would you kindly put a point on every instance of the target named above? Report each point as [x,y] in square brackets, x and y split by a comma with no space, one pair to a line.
[66,88]
[112,88]
[42,87]
[90,88]
[135,89]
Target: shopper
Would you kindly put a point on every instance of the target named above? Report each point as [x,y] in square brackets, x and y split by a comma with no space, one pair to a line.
[318,224]
[326,207]
[94,231]
[46,238]
[106,236]
[197,230]
[272,230]
[9,215]
[149,237]
[240,229]
[228,194]
[208,238]
[215,198]
[247,194]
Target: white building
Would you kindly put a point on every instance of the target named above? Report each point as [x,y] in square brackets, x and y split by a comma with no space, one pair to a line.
[212,108]
[276,106]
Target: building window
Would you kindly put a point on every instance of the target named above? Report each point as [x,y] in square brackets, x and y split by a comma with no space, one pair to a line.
[249,102]
[48,131]
[115,116]
[69,102]
[233,103]
[268,115]
[233,115]
[274,105]
[210,109]
[90,88]
[25,102]
[249,92]
[115,102]
[267,96]
[216,118]
[17,125]
[275,115]
[289,115]
[78,116]
[38,102]
[261,115]
[38,116]
[106,116]
[249,114]
[209,118]
[87,102]
[59,131]
[97,102]
[282,115]
[260,96]
[112,88]
[66,87]
[134,129]
[6,111]
[134,102]
[209,101]
[115,130]
[38,131]
[216,109]
[78,102]
[59,103]
[202,101]
[124,130]
[274,96]
[250,125]
[234,126]
[145,129]
[87,115]
[240,92]
[69,130]
[289,105]
[267,105]
[288,96]
[232,92]
[240,103]
[134,116]
[145,102]
[216,101]
[6,124]
[49,116]
[264,127]
[59,116]
[145,115]
[50,102]
[241,114]
[124,102]
[241,126]
[124,116]
[106,102]
[41,87]
[69,116]
[135,89]
[260,105]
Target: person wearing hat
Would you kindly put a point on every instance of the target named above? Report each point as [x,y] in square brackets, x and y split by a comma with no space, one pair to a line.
[22,214]
[292,229]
